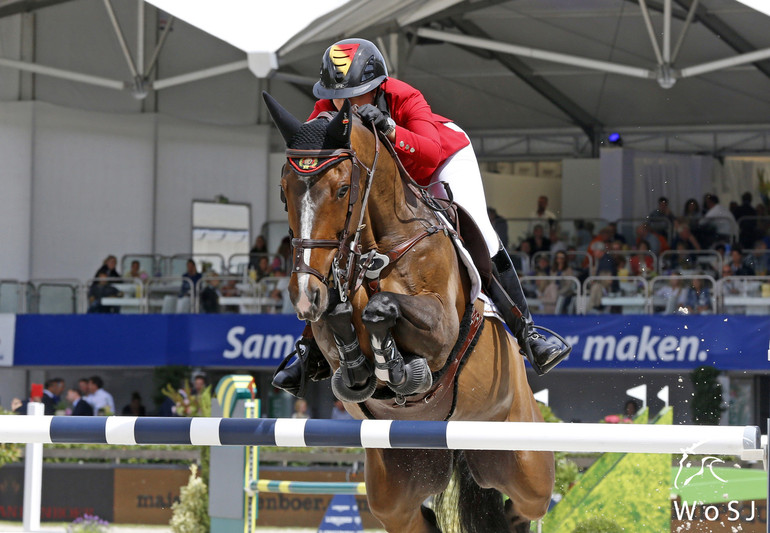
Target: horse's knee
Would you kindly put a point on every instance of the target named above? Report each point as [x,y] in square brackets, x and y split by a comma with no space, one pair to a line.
[381,313]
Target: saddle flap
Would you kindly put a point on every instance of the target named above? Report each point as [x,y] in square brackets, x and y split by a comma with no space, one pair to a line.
[474,242]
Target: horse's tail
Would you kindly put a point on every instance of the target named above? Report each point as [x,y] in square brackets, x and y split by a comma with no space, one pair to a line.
[464,507]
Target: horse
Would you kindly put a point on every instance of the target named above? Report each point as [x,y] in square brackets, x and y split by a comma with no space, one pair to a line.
[377,276]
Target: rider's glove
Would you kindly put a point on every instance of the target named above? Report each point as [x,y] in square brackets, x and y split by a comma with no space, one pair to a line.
[370,113]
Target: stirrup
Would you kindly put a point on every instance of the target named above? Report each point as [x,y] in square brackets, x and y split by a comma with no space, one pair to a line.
[541,369]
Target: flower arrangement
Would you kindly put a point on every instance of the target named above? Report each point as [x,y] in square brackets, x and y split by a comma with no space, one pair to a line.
[88,524]
[188,404]
[615,419]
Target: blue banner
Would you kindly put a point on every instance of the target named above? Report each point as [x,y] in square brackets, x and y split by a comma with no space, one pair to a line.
[600,342]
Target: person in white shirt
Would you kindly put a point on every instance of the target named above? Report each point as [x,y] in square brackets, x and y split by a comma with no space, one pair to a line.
[719,217]
[100,399]
[541,215]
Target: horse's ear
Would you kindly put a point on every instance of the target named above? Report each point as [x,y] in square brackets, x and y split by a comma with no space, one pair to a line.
[338,130]
[286,122]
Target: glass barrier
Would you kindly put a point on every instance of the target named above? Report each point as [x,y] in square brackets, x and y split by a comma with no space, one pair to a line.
[744,295]
[177,264]
[577,262]
[11,296]
[615,294]
[262,264]
[150,265]
[690,262]
[115,295]
[690,294]
[53,296]
[552,295]
[227,294]
[169,295]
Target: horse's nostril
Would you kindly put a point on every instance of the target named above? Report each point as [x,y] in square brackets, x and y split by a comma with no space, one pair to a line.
[316,298]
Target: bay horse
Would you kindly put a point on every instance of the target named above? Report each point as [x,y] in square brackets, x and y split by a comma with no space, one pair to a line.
[376,274]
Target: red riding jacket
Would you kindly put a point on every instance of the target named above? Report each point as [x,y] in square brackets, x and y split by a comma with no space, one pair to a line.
[423,143]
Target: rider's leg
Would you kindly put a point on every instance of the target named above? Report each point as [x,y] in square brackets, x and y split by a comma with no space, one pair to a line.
[462,173]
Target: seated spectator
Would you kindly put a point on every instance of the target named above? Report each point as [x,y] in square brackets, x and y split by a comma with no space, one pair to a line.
[613,227]
[747,227]
[538,242]
[599,289]
[108,267]
[264,268]
[759,259]
[283,259]
[258,250]
[190,279]
[599,244]
[719,219]
[584,234]
[541,215]
[78,406]
[658,243]
[135,272]
[642,263]
[669,299]
[698,299]
[101,288]
[738,264]
[691,212]
[210,293]
[134,407]
[521,260]
[567,288]
[683,235]
[300,409]
[660,219]
[557,239]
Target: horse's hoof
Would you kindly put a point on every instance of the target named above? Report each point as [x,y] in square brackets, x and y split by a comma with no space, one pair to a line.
[418,378]
[353,395]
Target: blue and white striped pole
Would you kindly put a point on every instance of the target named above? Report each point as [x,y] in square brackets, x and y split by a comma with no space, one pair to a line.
[457,435]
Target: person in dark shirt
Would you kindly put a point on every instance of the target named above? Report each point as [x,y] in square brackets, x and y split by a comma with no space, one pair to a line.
[80,407]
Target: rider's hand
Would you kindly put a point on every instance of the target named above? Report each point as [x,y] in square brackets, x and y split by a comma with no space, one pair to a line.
[370,113]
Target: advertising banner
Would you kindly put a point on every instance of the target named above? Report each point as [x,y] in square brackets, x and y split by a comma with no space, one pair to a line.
[632,342]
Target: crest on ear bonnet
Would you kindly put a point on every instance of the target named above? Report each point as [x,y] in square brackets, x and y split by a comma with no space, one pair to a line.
[313,135]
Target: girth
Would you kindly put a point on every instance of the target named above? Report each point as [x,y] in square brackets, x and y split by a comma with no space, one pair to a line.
[439,402]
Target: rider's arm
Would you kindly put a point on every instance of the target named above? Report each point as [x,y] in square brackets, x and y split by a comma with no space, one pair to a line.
[417,136]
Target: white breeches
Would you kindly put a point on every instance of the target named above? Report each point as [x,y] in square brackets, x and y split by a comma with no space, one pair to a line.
[461,172]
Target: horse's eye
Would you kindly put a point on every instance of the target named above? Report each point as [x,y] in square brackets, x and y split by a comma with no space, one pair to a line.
[343,191]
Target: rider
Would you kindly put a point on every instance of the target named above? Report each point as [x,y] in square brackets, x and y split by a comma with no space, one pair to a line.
[432,149]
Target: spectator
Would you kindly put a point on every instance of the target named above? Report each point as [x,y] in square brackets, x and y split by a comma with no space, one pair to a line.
[35,395]
[759,260]
[339,412]
[557,242]
[541,214]
[583,233]
[671,297]
[642,263]
[615,235]
[691,211]
[717,218]
[190,279]
[83,387]
[136,272]
[101,288]
[100,399]
[661,219]
[199,384]
[738,264]
[210,294]
[300,409]
[683,234]
[748,226]
[567,288]
[631,408]
[258,250]
[658,243]
[108,267]
[599,244]
[80,407]
[134,407]
[52,394]
[500,226]
[264,268]
[283,260]
[521,260]
[698,298]
[599,289]
[538,242]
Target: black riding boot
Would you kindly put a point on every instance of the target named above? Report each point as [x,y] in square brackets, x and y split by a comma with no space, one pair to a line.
[542,355]
[310,363]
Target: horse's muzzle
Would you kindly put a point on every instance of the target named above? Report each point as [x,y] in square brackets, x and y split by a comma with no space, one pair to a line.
[310,298]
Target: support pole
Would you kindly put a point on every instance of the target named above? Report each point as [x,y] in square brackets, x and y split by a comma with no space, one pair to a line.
[33,476]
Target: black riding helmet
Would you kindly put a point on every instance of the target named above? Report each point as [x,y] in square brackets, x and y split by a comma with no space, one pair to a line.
[349,68]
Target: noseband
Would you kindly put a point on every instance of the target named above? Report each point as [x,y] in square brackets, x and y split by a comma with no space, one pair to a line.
[310,162]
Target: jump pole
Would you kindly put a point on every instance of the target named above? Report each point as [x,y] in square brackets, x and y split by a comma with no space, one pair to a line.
[743,441]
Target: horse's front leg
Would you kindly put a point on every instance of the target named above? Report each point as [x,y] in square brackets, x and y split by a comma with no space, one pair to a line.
[425,328]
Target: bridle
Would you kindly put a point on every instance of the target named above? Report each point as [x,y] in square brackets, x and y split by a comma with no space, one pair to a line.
[347,258]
